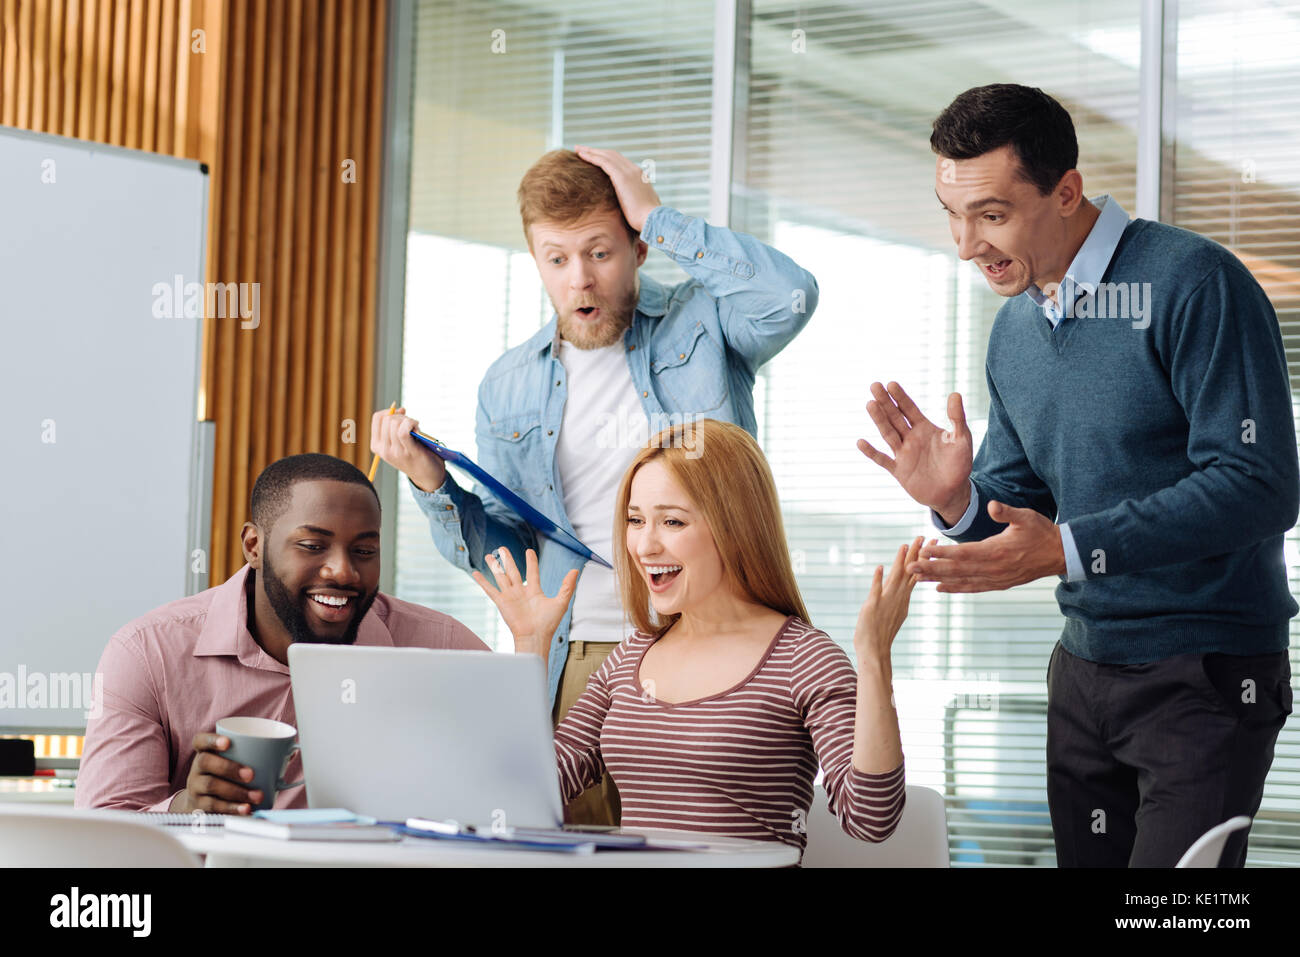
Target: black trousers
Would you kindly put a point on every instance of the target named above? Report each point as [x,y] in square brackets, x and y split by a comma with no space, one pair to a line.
[1143,759]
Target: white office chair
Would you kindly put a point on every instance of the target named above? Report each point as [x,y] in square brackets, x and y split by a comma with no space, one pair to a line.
[64,837]
[920,840]
[1208,849]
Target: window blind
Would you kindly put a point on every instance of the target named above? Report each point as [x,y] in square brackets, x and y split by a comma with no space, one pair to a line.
[833,167]
[1236,179]
[495,86]
[836,169]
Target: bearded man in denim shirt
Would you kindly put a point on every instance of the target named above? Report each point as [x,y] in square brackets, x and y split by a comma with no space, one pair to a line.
[561,416]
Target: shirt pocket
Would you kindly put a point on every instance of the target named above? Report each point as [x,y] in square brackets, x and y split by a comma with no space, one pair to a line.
[518,450]
[690,372]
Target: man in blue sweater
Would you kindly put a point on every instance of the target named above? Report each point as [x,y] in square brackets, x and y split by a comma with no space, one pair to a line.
[1140,445]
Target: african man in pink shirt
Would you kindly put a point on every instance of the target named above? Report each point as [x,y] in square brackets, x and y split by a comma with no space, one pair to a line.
[312,549]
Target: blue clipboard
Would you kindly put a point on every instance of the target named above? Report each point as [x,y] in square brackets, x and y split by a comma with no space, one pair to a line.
[521,508]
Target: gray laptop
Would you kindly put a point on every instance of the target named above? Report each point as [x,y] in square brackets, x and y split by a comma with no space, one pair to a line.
[411,732]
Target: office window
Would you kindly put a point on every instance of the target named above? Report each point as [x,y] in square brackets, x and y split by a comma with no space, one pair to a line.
[496,85]
[834,104]
[835,168]
[1235,177]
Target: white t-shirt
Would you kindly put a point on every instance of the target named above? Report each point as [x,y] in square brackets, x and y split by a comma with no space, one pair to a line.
[603,428]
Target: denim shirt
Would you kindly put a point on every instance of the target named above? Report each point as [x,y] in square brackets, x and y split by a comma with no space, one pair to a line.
[693,350]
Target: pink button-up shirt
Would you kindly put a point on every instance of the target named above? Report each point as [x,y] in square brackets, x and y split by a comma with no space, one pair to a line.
[178,670]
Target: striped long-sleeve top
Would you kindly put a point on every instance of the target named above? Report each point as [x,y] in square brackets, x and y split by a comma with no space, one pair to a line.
[740,763]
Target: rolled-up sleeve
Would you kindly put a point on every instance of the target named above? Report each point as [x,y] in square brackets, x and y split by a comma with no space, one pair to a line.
[764,297]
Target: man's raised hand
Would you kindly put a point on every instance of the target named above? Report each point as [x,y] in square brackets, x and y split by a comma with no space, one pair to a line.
[932,466]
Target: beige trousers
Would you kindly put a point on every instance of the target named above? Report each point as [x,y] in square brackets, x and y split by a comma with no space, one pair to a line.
[599,804]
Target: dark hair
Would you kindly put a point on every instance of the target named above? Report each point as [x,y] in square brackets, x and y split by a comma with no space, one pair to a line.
[274,487]
[988,117]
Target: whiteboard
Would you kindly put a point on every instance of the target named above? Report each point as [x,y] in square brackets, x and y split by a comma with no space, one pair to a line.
[102,497]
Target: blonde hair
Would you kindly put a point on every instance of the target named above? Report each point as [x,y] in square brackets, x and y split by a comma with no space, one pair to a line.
[723,471]
[562,188]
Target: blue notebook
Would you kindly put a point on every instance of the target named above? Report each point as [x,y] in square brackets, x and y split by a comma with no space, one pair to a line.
[536,519]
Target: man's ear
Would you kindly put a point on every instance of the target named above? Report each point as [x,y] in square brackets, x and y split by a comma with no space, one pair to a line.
[251,539]
[1069,193]
[641,250]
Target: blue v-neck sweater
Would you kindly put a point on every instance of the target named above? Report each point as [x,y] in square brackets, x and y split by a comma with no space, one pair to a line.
[1165,437]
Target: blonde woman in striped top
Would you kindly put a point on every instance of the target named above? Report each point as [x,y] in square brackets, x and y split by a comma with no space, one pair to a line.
[715,715]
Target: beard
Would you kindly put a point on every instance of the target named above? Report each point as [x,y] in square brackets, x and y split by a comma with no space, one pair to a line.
[614,319]
[293,615]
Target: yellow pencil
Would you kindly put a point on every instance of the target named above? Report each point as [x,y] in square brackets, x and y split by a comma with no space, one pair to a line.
[374,466]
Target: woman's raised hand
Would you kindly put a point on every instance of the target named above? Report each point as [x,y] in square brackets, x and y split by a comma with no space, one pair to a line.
[883,612]
[531,616]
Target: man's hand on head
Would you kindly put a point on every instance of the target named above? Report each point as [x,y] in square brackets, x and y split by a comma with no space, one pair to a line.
[1029,548]
[636,195]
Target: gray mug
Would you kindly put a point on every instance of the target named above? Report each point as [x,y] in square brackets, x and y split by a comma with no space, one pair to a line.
[264,745]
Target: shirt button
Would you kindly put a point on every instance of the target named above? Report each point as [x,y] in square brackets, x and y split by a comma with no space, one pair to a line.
[460,548]
[449,507]
[557,381]
[515,436]
[550,431]
[700,254]
[631,348]
[644,394]
[659,239]
[681,355]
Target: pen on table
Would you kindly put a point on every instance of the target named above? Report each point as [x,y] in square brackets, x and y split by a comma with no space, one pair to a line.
[374,465]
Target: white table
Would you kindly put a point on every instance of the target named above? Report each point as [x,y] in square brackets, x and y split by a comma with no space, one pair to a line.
[245,850]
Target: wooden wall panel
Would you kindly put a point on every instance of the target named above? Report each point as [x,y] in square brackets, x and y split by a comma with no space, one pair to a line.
[275,96]
[127,72]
